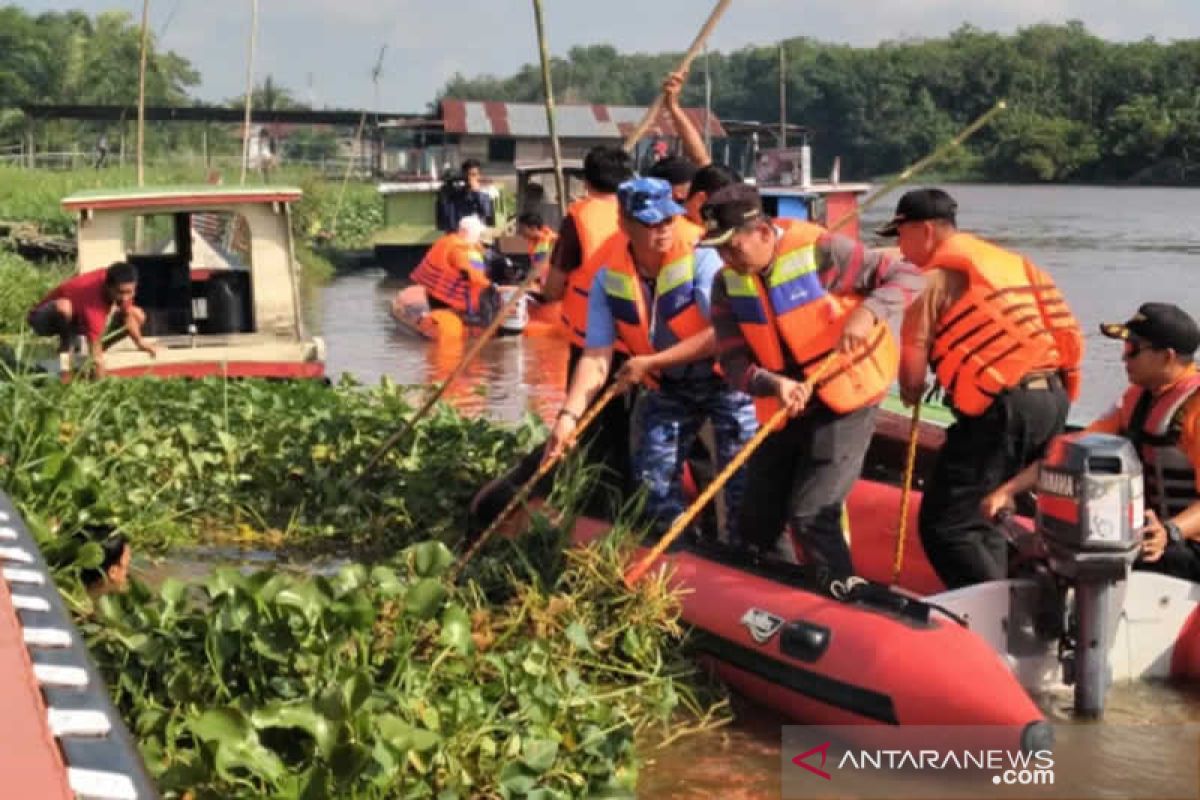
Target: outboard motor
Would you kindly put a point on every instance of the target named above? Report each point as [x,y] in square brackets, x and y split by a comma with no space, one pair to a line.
[1089,512]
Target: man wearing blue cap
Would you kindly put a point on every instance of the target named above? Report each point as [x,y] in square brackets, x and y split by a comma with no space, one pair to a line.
[652,294]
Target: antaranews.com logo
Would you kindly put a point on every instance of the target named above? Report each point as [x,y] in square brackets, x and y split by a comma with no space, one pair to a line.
[1078,761]
[1007,767]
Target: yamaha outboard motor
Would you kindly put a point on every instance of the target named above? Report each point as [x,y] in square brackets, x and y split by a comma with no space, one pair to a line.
[1089,512]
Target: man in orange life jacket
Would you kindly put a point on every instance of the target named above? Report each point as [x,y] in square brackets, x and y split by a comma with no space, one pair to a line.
[1160,414]
[651,293]
[792,297]
[589,223]
[539,241]
[1006,349]
[454,274]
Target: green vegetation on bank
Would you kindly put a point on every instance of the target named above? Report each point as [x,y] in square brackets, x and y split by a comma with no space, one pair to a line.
[1082,108]
[535,678]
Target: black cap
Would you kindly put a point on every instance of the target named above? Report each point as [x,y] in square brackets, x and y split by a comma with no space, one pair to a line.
[920,205]
[728,209]
[1160,325]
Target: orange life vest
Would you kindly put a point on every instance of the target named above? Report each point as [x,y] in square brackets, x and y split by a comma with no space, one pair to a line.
[539,251]
[674,296]
[794,307]
[1010,321]
[595,222]
[1153,425]
[443,272]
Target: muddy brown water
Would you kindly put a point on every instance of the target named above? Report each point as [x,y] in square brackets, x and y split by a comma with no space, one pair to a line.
[1109,249]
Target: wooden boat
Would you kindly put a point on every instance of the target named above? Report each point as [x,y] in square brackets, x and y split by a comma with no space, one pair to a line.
[63,738]
[217,278]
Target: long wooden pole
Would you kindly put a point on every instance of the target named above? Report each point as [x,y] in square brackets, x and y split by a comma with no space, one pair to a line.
[141,120]
[782,97]
[693,51]
[249,89]
[522,288]
[543,470]
[683,520]
[910,465]
[548,93]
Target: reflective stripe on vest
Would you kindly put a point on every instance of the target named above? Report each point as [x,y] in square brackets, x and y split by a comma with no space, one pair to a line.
[1008,323]
[674,298]
[595,224]
[445,282]
[795,308]
[1153,425]
[540,249]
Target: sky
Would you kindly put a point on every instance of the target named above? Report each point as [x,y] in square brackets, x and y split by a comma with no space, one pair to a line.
[324,50]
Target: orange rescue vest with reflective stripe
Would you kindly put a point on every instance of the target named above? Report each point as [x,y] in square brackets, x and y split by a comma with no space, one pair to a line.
[1010,321]
[595,222]
[1153,425]
[674,296]
[448,282]
[794,308]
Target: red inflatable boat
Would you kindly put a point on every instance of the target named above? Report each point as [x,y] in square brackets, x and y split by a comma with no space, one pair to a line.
[878,656]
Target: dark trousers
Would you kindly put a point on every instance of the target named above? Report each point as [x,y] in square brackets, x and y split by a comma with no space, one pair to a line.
[981,453]
[801,476]
[1179,559]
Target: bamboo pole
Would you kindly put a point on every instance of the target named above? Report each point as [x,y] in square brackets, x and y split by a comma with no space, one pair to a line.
[910,464]
[543,470]
[141,120]
[548,91]
[652,112]
[249,89]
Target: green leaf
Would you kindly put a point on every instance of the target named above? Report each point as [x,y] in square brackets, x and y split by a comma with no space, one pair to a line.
[347,761]
[456,629]
[403,736]
[90,556]
[302,716]
[431,559]
[385,581]
[173,591]
[356,691]
[425,597]
[222,725]
[539,754]
[516,780]
[577,635]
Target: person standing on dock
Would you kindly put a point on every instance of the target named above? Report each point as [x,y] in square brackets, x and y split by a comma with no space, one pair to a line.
[465,197]
[1160,414]
[792,297]
[651,294]
[1006,349]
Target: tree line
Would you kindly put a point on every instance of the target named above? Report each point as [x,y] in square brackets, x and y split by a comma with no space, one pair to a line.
[73,58]
[1080,108]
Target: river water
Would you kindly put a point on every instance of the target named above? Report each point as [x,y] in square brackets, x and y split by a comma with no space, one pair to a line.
[1109,250]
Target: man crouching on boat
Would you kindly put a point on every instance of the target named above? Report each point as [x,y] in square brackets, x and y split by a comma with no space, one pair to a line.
[792,297]
[81,306]
[651,294]
[1160,414]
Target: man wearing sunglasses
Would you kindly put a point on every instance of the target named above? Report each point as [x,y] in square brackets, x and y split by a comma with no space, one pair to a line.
[652,294]
[1160,414]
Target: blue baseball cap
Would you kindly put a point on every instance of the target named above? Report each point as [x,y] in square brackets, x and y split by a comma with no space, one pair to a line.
[648,200]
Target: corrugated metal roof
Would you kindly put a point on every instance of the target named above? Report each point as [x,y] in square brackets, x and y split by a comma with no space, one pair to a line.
[528,120]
